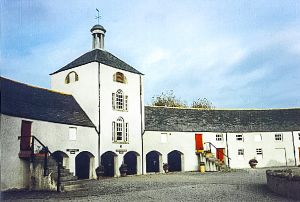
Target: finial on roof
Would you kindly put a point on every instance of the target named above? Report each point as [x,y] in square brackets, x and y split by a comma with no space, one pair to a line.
[98,15]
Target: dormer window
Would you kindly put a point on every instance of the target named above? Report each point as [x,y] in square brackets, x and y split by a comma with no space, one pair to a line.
[120,77]
[71,77]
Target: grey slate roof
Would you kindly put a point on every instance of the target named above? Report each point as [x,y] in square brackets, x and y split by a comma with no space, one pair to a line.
[21,100]
[193,120]
[101,56]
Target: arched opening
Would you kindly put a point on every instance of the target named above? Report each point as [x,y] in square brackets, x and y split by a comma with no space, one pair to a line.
[62,157]
[109,162]
[84,165]
[153,161]
[130,158]
[175,161]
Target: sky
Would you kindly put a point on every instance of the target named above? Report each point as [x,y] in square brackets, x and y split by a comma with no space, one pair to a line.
[237,54]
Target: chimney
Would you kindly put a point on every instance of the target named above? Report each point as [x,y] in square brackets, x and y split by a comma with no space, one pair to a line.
[98,33]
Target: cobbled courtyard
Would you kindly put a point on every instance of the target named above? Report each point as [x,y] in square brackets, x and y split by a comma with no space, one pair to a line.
[239,185]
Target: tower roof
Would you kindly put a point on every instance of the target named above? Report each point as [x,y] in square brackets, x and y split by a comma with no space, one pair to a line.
[101,56]
[95,27]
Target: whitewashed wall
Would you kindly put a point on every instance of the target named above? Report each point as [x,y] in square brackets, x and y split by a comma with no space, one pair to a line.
[53,135]
[297,146]
[132,116]
[85,91]
[273,151]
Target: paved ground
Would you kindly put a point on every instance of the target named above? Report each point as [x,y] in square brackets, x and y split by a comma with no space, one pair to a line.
[242,185]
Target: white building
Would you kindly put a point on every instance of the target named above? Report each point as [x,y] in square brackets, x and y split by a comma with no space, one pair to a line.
[95,114]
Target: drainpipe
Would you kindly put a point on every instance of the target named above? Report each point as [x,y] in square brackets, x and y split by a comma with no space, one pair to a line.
[294,148]
[228,161]
[142,131]
[99,139]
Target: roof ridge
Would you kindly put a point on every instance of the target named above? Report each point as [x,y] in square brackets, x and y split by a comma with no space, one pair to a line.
[225,109]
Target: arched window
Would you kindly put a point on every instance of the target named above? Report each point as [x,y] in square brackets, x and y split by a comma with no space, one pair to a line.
[71,77]
[120,101]
[120,77]
[120,131]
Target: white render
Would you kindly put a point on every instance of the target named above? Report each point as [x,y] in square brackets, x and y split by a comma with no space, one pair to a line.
[273,151]
[15,171]
[86,93]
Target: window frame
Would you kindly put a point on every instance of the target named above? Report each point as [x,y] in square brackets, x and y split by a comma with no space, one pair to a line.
[219,137]
[239,137]
[119,101]
[68,77]
[241,152]
[278,137]
[120,131]
[72,137]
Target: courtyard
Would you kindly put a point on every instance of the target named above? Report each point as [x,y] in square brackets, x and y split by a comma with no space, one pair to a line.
[238,185]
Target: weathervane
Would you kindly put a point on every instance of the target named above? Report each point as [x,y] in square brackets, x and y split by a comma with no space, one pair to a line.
[98,16]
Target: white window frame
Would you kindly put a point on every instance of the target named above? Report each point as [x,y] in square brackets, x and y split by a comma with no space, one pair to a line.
[259,153]
[120,131]
[119,101]
[299,135]
[219,137]
[164,137]
[241,152]
[239,137]
[72,133]
[278,137]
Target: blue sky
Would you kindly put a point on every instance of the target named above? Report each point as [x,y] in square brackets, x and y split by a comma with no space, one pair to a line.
[237,54]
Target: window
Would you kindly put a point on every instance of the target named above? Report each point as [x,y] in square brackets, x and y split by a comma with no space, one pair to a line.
[71,77]
[240,153]
[219,137]
[119,77]
[72,133]
[120,131]
[239,137]
[278,137]
[257,138]
[164,137]
[299,135]
[259,153]
[120,101]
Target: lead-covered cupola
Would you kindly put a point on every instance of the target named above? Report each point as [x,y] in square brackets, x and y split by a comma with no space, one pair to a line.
[98,33]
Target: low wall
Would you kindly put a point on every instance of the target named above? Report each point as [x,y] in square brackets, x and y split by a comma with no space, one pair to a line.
[284,182]
[38,180]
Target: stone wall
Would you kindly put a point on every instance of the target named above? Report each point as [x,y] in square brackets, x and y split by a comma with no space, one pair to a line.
[37,179]
[284,182]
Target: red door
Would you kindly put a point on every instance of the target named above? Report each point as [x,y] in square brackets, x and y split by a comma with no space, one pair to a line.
[199,142]
[25,139]
[220,153]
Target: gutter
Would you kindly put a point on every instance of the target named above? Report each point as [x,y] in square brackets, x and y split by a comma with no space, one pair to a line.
[99,140]
[294,148]
[142,130]
[228,160]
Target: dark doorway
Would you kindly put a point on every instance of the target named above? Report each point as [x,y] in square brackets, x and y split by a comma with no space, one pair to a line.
[174,161]
[82,165]
[130,158]
[60,156]
[108,162]
[152,161]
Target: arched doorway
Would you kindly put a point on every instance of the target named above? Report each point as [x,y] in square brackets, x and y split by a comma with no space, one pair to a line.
[109,162]
[62,157]
[84,165]
[130,158]
[175,161]
[153,161]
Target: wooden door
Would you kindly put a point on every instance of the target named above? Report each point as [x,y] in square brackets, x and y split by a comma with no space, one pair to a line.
[199,142]
[220,153]
[25,136]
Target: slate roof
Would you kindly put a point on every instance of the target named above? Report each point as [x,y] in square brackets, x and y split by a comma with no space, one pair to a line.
[21,100]
[101,56]
[193,120]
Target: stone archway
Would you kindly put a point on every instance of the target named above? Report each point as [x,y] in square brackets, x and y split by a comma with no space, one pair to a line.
[153,161]
[131,159]
[175,161]
[84,165]
[62,157]
[109,161]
